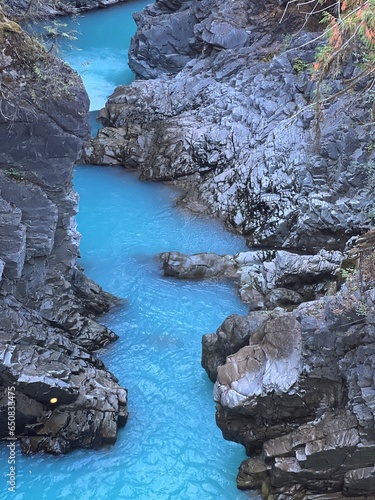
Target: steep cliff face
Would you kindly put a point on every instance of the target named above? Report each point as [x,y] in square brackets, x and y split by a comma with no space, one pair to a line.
[226,114]
[47,324]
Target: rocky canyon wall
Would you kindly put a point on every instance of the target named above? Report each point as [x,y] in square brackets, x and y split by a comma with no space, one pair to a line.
[223,107]
[65,397]
[225,112]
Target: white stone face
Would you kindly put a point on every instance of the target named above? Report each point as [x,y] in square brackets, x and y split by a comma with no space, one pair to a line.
[270,366]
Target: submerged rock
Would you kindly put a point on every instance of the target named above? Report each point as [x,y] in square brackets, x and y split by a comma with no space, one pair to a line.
[65,398]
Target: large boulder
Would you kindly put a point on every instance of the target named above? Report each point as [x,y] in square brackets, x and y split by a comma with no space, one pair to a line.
[232,335]
[164,46]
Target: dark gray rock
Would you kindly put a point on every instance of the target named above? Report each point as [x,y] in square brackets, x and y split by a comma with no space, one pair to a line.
[13,240]
[93,298]
[224,35]
[157,49]
[360,482]
[39,215]
[282,297]
[65,397]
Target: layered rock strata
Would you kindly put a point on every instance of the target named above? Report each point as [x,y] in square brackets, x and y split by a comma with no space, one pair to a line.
[65,397]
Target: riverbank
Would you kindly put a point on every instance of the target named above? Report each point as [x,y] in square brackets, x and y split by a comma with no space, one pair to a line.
[65,397]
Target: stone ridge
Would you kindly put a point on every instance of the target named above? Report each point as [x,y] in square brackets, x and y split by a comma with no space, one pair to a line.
[47,305]
[227,117]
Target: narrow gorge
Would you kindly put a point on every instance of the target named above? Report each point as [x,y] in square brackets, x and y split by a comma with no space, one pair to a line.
[223,109]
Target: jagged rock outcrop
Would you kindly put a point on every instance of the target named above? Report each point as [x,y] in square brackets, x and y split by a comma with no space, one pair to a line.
[264,278]
[47,305]
[300,396]
[231,336]
[296,388]
[41,363]
[233,125]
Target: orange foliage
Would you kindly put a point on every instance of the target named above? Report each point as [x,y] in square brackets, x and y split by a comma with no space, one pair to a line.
[355,25]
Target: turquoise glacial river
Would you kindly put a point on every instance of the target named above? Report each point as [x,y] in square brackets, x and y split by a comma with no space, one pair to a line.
[170,448]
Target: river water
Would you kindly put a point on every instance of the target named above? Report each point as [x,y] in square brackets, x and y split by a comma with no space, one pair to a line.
[171,447]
